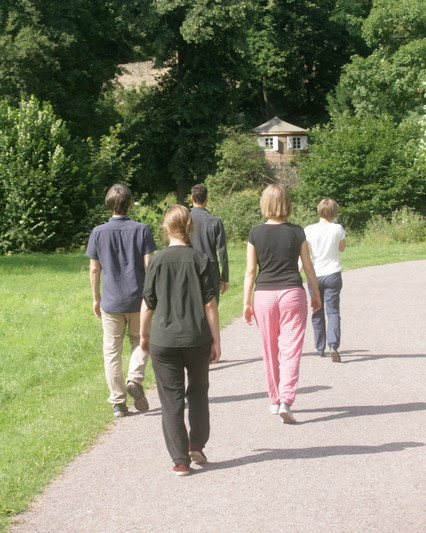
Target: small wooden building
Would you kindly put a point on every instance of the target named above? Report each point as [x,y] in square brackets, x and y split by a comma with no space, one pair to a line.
[281,140]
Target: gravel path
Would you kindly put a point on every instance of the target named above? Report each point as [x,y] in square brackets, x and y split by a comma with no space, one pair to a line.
[355,462]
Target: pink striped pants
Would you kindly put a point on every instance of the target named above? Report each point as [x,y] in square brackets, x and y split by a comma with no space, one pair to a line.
[281,318]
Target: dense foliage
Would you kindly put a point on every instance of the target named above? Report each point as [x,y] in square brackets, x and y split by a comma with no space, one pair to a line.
[36,179]
[51,185]
[61,52]
[371,155]
[370,166]
[351,70]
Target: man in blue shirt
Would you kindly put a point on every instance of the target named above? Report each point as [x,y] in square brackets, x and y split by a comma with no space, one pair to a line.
[120,251]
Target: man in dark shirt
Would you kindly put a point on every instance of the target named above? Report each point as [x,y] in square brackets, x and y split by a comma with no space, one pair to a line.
[120,249]
[208,237]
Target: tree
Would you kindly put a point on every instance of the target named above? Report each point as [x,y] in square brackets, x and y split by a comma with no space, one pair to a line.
[390,79]
[176,124]
[370,166]
[61,52]
[296,51]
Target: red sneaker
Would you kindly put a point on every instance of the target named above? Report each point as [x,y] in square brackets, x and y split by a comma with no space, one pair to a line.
[181,470]
[196,454]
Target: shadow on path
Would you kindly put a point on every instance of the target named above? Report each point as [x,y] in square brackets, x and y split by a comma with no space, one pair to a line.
[363,358]
[224,363]
[307,453]
[361,410]
[263,394]
[360,356]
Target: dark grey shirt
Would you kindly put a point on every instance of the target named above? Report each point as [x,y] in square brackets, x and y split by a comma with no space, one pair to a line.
[120,246]
[178,285]
[208,237]
[277,250]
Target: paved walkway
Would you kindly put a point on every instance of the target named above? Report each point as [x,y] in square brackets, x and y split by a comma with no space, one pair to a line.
[355,462]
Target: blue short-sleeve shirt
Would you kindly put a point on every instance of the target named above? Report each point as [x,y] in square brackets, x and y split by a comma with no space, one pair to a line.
[120,246]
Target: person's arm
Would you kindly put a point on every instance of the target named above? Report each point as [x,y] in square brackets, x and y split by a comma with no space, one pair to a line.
[212,316]
[312,278]
[299,261]
[95,284]
[342,245]
[223,257]
[145,326]
[249,279]
[146,259]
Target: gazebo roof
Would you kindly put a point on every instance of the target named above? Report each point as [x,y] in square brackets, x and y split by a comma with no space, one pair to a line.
[276,125]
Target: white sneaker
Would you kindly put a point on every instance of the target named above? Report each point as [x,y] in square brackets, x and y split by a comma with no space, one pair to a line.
[286,414]
[274,408]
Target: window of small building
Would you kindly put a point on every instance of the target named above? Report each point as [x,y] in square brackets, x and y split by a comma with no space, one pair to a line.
[297,143]
[268,143]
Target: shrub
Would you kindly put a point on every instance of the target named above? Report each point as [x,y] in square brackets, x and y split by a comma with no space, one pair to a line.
[239,213]
[303,215]
[39,180]
[152,214]
[241,164]
[369,166]
[405,225]
[52,187]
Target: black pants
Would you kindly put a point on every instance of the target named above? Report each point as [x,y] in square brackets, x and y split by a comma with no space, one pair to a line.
[169,366]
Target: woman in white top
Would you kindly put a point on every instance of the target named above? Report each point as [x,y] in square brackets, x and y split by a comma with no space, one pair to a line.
[325,240]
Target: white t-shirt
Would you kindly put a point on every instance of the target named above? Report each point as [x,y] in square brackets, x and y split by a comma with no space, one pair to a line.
[323,241]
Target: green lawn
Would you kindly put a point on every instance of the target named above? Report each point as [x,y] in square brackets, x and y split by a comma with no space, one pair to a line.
[52,386]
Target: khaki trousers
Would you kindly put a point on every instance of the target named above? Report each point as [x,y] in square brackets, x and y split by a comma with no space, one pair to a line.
[114,327]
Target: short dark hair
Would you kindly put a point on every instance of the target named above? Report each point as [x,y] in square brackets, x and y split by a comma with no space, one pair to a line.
[118,199]
[199,193]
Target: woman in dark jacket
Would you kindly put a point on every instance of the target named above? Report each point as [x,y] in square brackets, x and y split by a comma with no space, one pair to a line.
[184,334]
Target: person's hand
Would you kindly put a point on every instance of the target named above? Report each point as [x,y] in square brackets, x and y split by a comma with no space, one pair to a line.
[316,303]
[224,286]
[144,343]
[248,314]
[97,309]
[215,353]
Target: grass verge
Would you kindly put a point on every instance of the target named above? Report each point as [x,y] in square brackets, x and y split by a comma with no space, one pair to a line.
[52,390]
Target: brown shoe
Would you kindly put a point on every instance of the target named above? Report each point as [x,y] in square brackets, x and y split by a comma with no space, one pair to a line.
[335,357]
[196,454]
[135,390]
[181,470]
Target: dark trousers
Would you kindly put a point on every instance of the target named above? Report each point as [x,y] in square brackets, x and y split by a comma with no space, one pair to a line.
[330,287]
[214,269]
[169,366]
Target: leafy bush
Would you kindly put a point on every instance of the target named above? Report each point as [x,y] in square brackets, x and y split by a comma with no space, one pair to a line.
[39,180]
[53,187]
[152,214]
[303,215]
[239,213]
[241,164]
[369,166]
[405,225]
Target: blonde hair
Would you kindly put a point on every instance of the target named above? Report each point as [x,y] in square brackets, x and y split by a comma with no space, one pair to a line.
[327,209]
[275,202]
[178,223]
